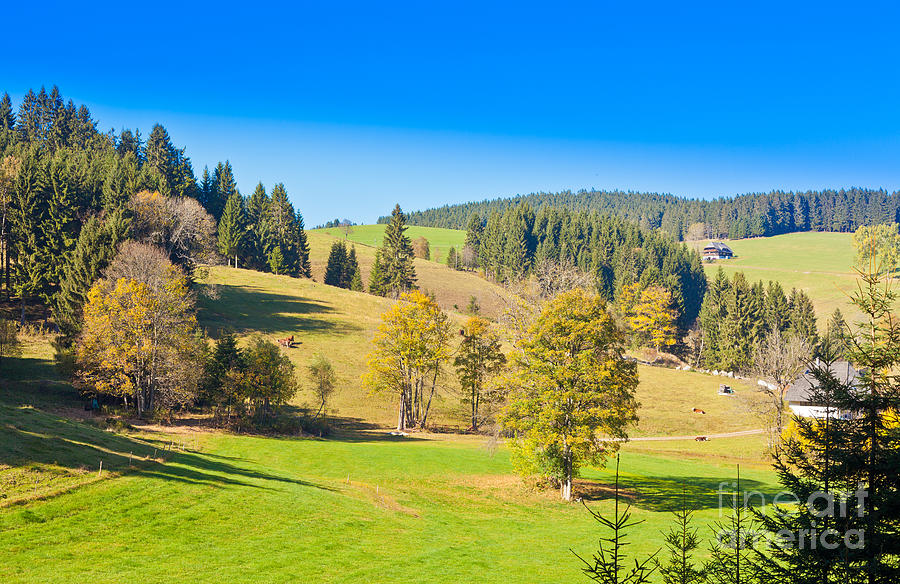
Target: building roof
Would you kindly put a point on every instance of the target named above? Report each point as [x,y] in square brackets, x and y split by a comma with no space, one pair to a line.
[719,247]
[801,389]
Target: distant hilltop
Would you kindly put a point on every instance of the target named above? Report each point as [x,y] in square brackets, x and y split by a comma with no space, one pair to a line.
[749,215]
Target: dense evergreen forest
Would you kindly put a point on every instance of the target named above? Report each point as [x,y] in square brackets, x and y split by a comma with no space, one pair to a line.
[749,215]
[616,252]
[69,194]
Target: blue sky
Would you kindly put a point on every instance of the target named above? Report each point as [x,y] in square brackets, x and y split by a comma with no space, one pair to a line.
[356,106]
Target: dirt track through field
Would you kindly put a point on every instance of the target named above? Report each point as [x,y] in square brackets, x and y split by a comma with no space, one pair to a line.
[693,437]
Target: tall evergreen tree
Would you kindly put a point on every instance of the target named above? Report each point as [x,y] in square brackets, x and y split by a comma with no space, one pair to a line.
[97,244]
[335,269]
[7,115]
[232,229]
[394,272]
[304,268]
[223,188]
[257,211]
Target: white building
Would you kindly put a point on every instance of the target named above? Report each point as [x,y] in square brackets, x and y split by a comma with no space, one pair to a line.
[800,396]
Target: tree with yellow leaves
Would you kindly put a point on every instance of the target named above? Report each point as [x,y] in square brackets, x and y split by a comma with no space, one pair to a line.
[572,391]
[652,317]
[140,340]
[410,347]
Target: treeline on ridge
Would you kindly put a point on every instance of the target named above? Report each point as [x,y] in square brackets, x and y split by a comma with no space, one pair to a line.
[749,215]
[616,252]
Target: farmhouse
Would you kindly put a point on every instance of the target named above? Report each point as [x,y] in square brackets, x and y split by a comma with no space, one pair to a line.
[716,250]
[799,395]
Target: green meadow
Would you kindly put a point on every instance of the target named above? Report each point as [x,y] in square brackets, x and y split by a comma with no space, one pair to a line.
[819,263]
[439,240]
[186,503]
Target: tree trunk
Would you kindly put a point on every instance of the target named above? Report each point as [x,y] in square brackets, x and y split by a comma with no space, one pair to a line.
[401,414]
[22,317]
[566,487]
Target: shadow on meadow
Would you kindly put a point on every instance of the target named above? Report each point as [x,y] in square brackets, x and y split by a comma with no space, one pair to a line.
[653,493]
[245,309]
[33,441]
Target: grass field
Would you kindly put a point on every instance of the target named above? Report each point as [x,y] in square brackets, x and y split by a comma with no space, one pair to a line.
[440,240]
[361,506]
[818,263]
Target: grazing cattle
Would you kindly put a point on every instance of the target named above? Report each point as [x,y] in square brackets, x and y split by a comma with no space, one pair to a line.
[701,439]
[287,342]
[699,411]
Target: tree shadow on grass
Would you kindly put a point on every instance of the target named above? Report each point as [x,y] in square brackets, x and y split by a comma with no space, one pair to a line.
[358,430]
[244,309]
[669,493]
[31,439]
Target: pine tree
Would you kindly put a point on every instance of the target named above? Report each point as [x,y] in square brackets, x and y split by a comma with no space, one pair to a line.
[232,229]
[257,210]
[735,342]
[453,258]
[609,564]
[7,116]
[393,272]
[223,188]
[682,542]
[732,552]
[802,317]
[836,342]
[777,308]
[276,260]
[334,270]
[304,268]
[356,283]
[97,244]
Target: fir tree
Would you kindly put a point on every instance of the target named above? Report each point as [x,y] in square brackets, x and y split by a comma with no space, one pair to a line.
[7,116]
[223,188]
[732,552]
[97,244]
[452,258]
[257,210]
[334,270]
[682,543]
[393,272]
[352,272]
[837,330]
[232,229]
[304,268]
[276,260]
[802,319]
[609,565]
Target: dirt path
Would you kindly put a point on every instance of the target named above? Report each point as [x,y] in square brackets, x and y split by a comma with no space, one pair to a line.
[710,436]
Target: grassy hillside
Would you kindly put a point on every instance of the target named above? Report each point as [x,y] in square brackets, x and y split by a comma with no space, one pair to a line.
[340,324]
[819,263]
[361,506]
[439,240]
[452,288]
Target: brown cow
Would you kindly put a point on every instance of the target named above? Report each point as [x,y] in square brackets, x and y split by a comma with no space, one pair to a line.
[287,342]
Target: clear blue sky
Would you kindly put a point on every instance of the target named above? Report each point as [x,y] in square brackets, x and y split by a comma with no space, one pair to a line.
[356,106]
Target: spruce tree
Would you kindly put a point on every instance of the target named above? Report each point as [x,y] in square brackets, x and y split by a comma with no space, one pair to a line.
[223,188]
[836,344]
[802,317]
[452,258]
[734,549]
[97,244]
[712,316]
[257,209]
[734,343]
[7,116]
[777,308]
[304,268]
[682,543]
[394,272]
[356,283]
[232,229]
[337,260]
[474,230]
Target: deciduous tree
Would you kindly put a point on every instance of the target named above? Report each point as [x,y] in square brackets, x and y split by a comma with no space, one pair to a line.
[410,347]
[478,359]
[572,393]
